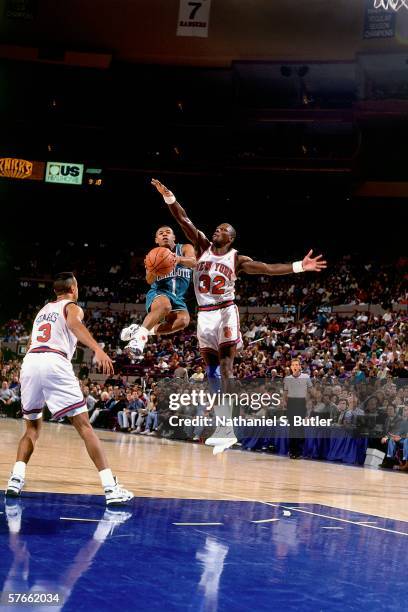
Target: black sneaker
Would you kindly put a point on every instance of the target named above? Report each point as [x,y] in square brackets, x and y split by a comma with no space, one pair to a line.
[387,464]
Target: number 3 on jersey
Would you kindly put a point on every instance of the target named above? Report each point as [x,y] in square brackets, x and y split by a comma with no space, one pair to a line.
[217,286]
[46,332]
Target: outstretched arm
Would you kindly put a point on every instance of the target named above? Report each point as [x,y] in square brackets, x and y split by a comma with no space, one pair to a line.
[308,264]
[199,240]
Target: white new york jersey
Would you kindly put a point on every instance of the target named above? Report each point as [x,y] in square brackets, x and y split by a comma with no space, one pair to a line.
[50,331]
[214,277]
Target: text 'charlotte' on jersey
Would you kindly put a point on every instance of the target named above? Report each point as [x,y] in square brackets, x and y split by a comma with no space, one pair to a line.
[178,280]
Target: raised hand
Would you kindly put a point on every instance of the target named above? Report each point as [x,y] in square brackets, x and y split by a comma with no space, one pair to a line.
[166,193]
[313,264]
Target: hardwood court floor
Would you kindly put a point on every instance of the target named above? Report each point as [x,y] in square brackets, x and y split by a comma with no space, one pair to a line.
[152,467]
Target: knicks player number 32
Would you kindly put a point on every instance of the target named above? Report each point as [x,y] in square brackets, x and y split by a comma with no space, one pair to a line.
[217,285]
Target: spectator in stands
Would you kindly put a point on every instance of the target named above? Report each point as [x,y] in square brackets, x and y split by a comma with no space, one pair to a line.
[326,408]
[90,399]
[9,403]
[125,413]
[391,419]
[141,412]
[181,371]
[198,375]
[15,385]
[102,410]
[395,440]
[152,419]
[162,365]
[348,412]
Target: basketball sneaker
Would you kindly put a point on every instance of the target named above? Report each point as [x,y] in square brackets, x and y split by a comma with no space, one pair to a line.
[221,433]
[222,445]
[14,486]
[135,349]
[117,495]
[127,333]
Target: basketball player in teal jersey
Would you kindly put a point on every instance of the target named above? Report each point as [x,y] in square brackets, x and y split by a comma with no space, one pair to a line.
[165,301]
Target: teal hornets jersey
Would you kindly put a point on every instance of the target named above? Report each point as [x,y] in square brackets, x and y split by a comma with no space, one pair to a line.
[177,281]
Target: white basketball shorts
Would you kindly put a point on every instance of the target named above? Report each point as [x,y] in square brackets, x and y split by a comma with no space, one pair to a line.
[48,378]
[219,327]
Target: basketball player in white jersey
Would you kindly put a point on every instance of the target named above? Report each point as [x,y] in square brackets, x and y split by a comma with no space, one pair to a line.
[217,269]
[47,377]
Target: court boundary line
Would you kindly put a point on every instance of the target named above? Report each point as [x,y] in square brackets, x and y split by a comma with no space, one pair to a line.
[334,518]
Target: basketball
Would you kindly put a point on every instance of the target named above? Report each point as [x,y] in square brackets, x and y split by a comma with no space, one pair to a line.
[160,260]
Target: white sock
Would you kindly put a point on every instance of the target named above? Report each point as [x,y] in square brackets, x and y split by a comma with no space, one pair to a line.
[19,469]
[142,333]
[107,478]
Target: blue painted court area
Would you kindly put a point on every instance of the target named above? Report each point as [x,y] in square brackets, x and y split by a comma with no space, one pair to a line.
[261,557]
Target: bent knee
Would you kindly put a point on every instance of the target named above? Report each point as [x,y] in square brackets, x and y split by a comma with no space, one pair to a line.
[184,319]
[166,309]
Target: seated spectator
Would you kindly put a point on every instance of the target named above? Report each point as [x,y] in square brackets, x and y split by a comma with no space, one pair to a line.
[395,440]
[90,400]
[325,408]
[102,410]
[9,403]
[15,386]
[125,413]
[162,365]
[198,375]
[138,410]
[348,413]
[181,371]
[152,418]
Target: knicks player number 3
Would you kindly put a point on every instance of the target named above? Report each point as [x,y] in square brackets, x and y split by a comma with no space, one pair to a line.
[46,332]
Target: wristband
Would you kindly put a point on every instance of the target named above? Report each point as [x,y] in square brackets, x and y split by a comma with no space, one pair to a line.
[169,199]
[297,267]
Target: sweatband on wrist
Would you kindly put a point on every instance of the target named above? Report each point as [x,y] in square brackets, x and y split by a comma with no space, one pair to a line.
[297,267]
[169,199]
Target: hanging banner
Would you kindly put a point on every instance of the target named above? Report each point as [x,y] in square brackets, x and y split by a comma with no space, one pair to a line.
[193,18]
[11,167]
[378,23]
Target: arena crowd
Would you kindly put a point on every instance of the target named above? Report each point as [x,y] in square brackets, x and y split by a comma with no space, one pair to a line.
[362,352]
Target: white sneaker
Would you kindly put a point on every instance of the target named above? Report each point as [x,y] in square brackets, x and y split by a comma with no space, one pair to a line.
[135,348]
[221,433]
[117,495]
[14,486]
[223,444]
[127,333]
